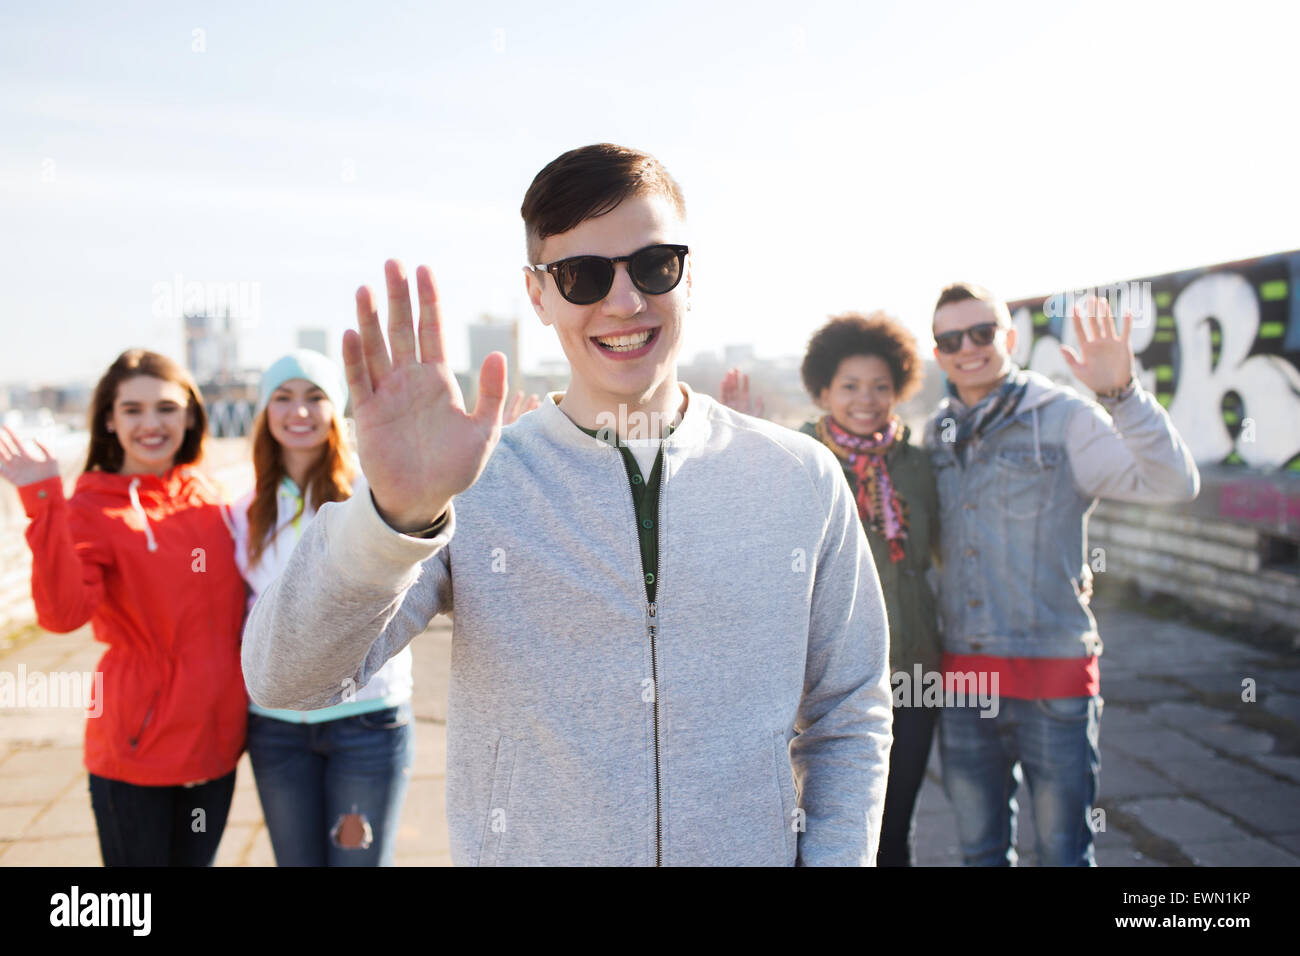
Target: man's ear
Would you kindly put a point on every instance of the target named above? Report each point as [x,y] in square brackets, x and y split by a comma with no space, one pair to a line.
[533,284]
[689,270]
[1011,341]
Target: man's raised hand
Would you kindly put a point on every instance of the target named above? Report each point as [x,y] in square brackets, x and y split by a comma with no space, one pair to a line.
[418,446]
[1104,361]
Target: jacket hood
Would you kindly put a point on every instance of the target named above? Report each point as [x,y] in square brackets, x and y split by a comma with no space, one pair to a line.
[182,481]
[1040,391]
[183,484]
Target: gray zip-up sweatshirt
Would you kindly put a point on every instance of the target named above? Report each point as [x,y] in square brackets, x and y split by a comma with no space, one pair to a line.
[743,718]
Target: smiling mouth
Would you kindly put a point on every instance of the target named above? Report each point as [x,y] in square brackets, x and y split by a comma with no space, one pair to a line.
[152,442]
[626,343]
[972,366]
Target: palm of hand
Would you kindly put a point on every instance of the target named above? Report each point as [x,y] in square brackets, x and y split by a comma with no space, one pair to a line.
[21,468]
[1104,360]
[418,446]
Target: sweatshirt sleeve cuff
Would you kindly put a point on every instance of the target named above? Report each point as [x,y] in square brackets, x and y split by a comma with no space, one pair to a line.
[1131,409]
[371,550]
[40,495]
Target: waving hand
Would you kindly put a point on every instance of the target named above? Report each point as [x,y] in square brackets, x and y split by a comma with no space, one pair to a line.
[418,446]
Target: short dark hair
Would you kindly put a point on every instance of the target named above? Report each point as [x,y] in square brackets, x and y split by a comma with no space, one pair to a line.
[856,334]
[961,291]
[588,182]
[105,452]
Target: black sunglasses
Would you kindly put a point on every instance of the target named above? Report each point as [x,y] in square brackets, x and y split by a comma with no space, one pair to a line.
[583,280]
[980,335]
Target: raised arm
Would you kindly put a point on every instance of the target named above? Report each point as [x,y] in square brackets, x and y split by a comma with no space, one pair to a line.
[841,753]
[1134,453]
[354,593]
[358,587]
[67,563]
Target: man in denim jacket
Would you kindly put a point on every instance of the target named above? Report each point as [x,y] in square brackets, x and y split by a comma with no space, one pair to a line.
[1020,462]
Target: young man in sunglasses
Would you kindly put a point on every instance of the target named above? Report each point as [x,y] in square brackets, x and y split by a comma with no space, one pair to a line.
[1020,463]
[669,642]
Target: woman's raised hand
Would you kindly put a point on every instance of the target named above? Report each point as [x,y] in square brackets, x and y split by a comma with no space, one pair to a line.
[20,467]
[417,444]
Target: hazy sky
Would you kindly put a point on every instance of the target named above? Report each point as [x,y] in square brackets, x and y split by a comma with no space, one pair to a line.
[833,156]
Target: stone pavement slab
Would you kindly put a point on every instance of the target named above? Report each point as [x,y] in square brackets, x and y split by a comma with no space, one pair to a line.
[1215,775]
[1183,821]
[1247,852]
[1189,772]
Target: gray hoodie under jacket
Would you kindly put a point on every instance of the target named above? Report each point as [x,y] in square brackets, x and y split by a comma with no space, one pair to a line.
[743,718]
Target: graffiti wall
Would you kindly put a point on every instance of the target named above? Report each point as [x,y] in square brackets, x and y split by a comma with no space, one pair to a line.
[1219,346]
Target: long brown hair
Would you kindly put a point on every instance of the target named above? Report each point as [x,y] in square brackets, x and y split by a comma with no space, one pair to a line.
[329,479]
[105,452]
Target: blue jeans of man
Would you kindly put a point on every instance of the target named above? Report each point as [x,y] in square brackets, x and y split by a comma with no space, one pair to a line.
[1052,744]
[332,792]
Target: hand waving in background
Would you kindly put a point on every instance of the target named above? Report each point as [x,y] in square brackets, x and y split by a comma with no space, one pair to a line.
[21,468]
[417,444]
[734,393]
[1104,361]
[520,407]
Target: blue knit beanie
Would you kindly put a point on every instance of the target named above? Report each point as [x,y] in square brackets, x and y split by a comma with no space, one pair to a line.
[309,365]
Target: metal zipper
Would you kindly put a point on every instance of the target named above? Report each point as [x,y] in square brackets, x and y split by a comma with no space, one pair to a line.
[652,631]
[148,714]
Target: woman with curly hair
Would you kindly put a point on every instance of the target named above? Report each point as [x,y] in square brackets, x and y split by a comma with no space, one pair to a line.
[857,369]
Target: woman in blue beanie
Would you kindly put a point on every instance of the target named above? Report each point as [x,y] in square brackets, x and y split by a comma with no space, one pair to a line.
[332,782]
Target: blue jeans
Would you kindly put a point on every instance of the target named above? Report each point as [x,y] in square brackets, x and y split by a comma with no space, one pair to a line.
[332,792]
[1053,743]
[160,826]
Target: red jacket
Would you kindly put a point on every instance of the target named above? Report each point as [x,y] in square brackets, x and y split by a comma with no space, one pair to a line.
[150,562]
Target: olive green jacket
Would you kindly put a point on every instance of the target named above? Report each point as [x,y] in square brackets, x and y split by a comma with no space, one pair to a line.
[913,629]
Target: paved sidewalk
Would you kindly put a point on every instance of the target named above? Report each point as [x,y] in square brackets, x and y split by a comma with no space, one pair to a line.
[1191,774]
[45,815]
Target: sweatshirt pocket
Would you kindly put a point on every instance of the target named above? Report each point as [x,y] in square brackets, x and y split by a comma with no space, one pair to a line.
[791,815]
[497,822]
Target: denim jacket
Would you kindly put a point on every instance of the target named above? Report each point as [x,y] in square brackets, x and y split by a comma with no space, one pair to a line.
[1015,579]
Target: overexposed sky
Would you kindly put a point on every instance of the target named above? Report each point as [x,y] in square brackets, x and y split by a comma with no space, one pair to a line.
[833,155]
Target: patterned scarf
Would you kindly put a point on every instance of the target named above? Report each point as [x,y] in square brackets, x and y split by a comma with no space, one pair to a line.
[973,423]
[879,506]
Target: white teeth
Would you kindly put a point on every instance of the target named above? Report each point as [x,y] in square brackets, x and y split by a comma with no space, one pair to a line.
[625,343]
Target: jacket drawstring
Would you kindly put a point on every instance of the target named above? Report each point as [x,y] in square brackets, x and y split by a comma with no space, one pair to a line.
[226,519]
[1038,455]
[135,503]
[223,509]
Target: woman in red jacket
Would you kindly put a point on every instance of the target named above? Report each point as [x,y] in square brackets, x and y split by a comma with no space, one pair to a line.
[143,551]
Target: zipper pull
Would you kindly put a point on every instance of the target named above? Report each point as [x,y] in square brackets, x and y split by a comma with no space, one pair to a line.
[650,608]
